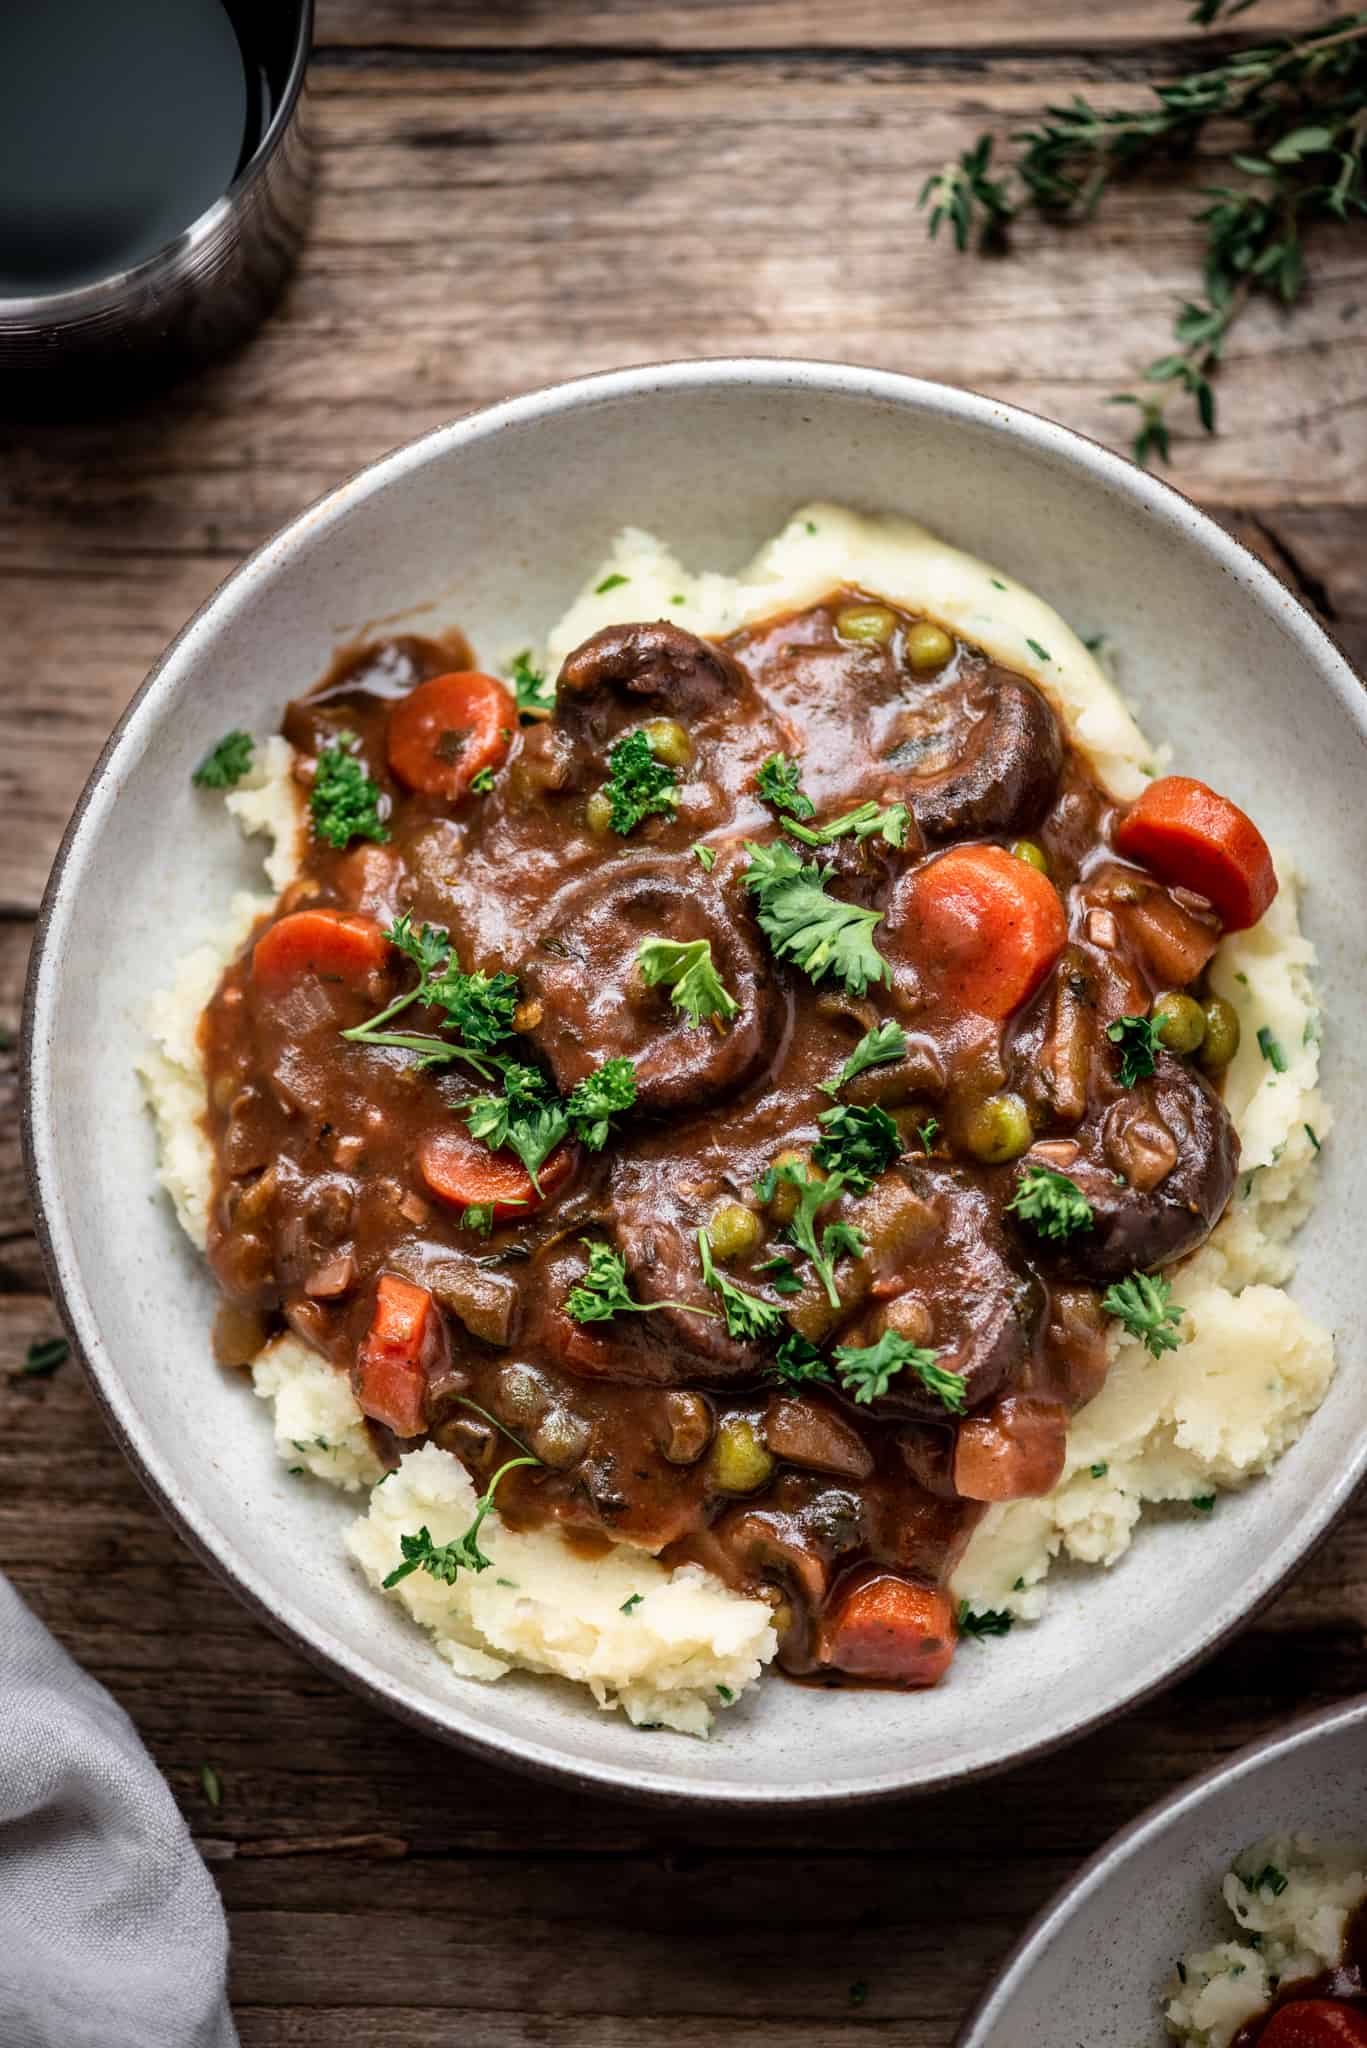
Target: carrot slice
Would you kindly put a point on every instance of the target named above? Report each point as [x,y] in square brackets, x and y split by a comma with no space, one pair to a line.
[1194,839]
[893,1629]
[338,945]
[1315,2023]
[406,1338]
[466,1174]
[446,730]
[982,927]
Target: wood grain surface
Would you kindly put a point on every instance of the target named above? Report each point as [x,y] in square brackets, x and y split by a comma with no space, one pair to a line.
[511,194]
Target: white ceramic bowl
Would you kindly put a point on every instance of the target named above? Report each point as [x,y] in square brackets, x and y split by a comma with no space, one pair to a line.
[1092,1967]
[494,522]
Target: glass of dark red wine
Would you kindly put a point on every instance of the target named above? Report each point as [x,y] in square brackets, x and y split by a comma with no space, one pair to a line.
[155,178]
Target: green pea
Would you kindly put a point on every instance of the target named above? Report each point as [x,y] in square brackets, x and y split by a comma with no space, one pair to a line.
[928,646]
[738,1461]
[997,1129]
[1180,1020]
[598,812]
[669,742]
[1221,1041]
[734,1231]
[1031,853]
[869,622]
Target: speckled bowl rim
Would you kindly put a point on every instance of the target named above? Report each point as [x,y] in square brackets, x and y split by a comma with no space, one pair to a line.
[993,2009]
[780,374]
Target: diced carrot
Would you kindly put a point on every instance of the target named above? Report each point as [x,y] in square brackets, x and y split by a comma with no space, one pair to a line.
[446,730]
[1194,839]
[982,927]
[336,944]
[407,1337]
[1015,1451]
[892,1629]
[1315,2023]
[467,1175]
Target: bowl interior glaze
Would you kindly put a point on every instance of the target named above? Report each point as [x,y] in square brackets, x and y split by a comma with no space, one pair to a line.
[1153,1893]
[494,522]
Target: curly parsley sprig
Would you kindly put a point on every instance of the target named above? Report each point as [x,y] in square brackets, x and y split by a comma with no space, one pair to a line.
[604,1291]
[804,924]
[345,803]
[813,1195]
[1292,116]
[867,1370]
[1140,1041]
[442,1561]
[638,785]
[1053,1204]
[224,766]
[687,971]
[747,1315]
[1143,1303]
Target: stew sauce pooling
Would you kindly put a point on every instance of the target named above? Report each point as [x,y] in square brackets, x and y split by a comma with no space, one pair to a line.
[898,1298]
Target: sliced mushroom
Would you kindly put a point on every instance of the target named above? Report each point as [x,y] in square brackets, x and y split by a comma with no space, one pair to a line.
[1136,1228]
[627,671]
[1007,754]
[596,1006]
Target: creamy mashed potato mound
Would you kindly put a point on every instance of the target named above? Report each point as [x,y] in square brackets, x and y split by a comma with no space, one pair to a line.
[1286,1930]
[1251,1367]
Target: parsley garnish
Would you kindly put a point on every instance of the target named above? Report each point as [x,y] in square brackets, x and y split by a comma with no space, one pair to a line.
[612,582]
[638,785]
[1140,1044]
[1055,1205]
[43,1357]
[532,688]
[482,782]
[344,802]
[1269,1879]
[443,1560]
[725,1695]
[224,766]
[526,1119]
[599,1097]
[779,782]
[887,1041]
[868,819]
[479,1217]
[1310,1134]
[866,1371]
[927,1133]
[1144,1304]
[798,1362]
[530,1120]
[687,972]
[704,855]
[747,1315]
[1100,1469]
[812,1197]
[630,1604]
[1035,648]
[859,1143]
[479,1007]
[1271,1050]
[992,1621]
[1203,1503]
[603,1292]
[803,924]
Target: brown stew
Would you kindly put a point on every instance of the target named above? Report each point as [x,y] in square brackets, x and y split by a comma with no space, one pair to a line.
[895,1310]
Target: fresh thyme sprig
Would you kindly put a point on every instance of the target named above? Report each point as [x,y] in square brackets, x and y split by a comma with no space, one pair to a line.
[1293,114]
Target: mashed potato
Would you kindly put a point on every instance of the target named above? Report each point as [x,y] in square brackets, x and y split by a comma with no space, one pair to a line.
[1291,1901]
[1251,1368]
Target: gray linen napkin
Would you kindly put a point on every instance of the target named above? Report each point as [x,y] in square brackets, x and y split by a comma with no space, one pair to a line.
[111,1931]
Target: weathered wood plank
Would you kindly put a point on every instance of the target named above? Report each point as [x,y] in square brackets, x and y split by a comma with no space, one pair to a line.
[762,207]
[782,24]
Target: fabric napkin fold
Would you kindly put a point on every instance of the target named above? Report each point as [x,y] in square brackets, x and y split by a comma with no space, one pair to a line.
[111,1930]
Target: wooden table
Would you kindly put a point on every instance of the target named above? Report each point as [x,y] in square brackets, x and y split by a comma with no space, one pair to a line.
[512,194]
